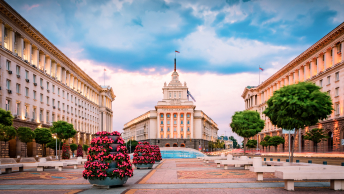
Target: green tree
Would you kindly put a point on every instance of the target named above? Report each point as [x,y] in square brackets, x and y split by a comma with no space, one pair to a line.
[63,130]
[7,133]
[247,124]
[52,144]
[131,145]
[73,147]
[85,148]
[266,139]
[235,142]
[298,105]
[251,143]
[6,117]
[26,135]
[43,136]
[275,141]
[264,144]
[316,136]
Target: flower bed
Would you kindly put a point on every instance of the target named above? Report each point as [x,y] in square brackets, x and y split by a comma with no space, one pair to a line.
[157,153]
[143,154]
[105,164]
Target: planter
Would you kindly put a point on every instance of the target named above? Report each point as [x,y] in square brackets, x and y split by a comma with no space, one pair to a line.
[138,166]
[140,153]
[115,153]
[113,164]
[157,160]
[115,138]
[109,182]
[114,147]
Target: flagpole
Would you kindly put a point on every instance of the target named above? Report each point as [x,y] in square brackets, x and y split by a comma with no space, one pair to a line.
[104,77]
[259,75]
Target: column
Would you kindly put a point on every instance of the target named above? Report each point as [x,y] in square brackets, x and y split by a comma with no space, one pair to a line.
[327,57]
[20,46]
[82,88]
[59,73]
[178,125]
[2,34]
[71,84]
[68,79]
[305,71]
[191,126]
[296,76]
[11,40]
[334,55]
[342,50]
[35,57]
[48,66]
[314,67]
[320,64]
[63,75]
[301,77]
[75,86]
[28,51]
[42,63]
[185,126]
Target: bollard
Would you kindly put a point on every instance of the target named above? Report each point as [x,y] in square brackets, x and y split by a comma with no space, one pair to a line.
[342,163]
[287,160]
[278,160]
[310,161]
[297,161]
[324,162]
[271,159]
[264,159]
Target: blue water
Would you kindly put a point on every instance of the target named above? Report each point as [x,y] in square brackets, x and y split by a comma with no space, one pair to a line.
[180,154]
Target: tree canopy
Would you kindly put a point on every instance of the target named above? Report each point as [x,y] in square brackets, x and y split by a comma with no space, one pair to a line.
[7,133]
[247,124]
[63,129]
[26,135]
[275,141]
[298,105]
[251,143]
[6,117]
[73,147]
[85,147]
[43,136]
[235,142]
[316,136]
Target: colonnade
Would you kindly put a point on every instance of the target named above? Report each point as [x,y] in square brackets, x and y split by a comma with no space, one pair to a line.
[173,129]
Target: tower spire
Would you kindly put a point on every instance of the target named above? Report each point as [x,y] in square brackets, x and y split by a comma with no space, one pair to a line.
[175,64]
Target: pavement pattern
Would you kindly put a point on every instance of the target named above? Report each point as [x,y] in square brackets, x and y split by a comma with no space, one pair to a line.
[170,176]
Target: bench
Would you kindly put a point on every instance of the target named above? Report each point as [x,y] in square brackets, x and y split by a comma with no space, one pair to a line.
[243,160]
[80,159]
[218,162]
[222,157]
[9,167]
[336,177]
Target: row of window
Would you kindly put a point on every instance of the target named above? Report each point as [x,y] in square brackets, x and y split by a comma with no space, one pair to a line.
[329,79]
[175,122]
[181,136]
[175,129]
[8,85]
[175,94]
[174,115]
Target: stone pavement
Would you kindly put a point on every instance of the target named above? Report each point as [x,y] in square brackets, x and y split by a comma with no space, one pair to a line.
[171,176]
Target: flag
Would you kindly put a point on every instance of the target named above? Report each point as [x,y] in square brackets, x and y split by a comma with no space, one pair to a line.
[261,68]
[177,51]
[189,94]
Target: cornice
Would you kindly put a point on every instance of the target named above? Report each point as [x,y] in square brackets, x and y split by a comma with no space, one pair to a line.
[320,46]
[175,107]
[8,12]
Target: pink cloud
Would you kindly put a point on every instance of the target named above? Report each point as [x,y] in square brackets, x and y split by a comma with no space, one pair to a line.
[27,7]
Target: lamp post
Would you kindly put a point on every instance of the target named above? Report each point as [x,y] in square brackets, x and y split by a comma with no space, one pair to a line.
[56,146]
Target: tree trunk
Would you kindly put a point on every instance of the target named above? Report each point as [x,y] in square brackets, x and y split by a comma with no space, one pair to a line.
[275,148]
[244,146]
[59,150]
[292,148]
[315,147]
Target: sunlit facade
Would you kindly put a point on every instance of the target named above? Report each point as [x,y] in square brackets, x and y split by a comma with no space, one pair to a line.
[323,64]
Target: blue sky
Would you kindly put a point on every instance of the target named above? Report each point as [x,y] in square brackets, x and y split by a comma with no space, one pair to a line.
[221,42]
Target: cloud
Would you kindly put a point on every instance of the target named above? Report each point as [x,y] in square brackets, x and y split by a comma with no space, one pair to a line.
[28,8]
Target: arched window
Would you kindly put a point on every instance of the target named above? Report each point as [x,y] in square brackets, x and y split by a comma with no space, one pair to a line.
[188,122]
[181,122]
[162,115]
[182,115]
[168,115]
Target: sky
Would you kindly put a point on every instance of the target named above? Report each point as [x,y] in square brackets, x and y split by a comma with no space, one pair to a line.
[222,43]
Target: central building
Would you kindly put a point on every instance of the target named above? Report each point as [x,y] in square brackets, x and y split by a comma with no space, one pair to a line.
[174,122]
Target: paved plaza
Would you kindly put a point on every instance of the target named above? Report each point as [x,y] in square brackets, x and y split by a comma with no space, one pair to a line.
[170,176]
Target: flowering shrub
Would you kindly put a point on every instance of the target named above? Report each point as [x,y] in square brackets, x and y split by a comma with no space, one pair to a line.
[100,156]
[79,152]
[157,153]
[147,154]
[65,151]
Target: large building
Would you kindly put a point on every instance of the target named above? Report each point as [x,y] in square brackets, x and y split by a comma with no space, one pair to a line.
[323,64]
[174,122]
[40,85]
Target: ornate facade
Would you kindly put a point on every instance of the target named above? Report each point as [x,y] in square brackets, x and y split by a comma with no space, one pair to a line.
[40,85]
[323,64]
[174,121]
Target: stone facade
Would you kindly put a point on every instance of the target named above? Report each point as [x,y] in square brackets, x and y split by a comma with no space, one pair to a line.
[40,85]
[173,120]
[323,64]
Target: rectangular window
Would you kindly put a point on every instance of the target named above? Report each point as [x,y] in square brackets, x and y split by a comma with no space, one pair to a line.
[41,116]
[47,85]
[34,113]
[18,88]
[328,79]
[26,111]
[27,92]
[18,70]
[8,105]
[58,104]
[67,96]
[168,115]
[188,115]
[53,102]
[62,106]
[58,91]
[47,120]
[41,82]
[170,95]
[175,129]
[26,74]
[8,84]
[337,109]
[168,129]
[67,108]
[188,129]
[188,122]
[53,88]
[47,100]
[162,129]
[71,98]
[62,93]
[321,83]
[71,109]
[41,97]
[162,122]
[337,91]
[53,117]
[34,95]
[18,108]
[8,65]
[168,122]
[337,76]
[34,78]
